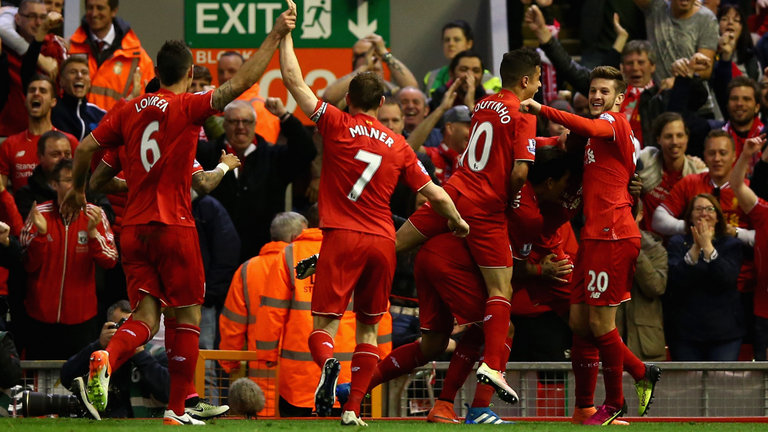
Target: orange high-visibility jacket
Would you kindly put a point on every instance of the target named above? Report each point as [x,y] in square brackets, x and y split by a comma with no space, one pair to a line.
[237,322]
[113,79]
[285,322]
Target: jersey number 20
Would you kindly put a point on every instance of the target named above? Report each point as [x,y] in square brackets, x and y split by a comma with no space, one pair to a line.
[484,129]
[374,161]
[150,150]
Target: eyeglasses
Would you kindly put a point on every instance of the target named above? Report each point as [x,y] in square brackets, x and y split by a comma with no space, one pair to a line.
[244,122]
[31,16]
[708,209]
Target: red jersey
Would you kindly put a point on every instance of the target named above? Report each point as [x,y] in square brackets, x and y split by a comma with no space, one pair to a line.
[362,163]
[759,216]
[445,160]
[609,163]
[500,135]
[657,195]
[694,184]
[18,156]
[159,131]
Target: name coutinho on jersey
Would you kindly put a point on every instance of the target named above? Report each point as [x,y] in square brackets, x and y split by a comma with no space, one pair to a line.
[151,101]
[495,106]
[361,130]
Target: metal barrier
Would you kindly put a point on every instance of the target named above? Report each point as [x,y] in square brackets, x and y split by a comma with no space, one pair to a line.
[686,389]
[734,389]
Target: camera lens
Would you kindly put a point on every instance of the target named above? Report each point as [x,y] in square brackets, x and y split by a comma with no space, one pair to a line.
[36,404]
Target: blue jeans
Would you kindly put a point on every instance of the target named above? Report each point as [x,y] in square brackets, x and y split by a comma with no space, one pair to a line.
[405,329]
[685,350]
[760,344]
[209,320]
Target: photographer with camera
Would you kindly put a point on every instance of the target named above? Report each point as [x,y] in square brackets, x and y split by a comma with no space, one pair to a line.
[146,379]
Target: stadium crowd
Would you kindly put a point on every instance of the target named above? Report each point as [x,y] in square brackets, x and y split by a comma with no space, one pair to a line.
[691,101]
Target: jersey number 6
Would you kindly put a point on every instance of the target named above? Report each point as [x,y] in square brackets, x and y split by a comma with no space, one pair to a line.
[150,150]
[374,161]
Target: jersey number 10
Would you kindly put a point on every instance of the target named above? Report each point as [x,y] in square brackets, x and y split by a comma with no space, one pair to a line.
[470,154]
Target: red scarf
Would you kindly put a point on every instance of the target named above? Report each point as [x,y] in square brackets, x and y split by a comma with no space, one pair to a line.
[629,108]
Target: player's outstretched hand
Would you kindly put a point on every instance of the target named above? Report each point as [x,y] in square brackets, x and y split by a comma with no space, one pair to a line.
[286,21]
[530,106]
[460,228]
[231,160]
[555,270]
[72,203]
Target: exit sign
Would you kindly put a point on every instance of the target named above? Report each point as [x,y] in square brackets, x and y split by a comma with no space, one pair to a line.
[320,24]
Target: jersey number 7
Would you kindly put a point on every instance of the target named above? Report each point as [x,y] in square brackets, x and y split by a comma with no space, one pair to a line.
[374,162]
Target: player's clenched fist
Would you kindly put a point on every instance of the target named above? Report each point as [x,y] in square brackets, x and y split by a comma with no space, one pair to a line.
[460,228]
[530,106]
[286,21]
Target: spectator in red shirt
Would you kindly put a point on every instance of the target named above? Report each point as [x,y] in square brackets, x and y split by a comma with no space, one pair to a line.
[18,154]
[61,261]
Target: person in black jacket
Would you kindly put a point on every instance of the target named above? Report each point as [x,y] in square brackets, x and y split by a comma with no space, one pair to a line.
[255,192]
[705,318]
[146,375]
[73,113]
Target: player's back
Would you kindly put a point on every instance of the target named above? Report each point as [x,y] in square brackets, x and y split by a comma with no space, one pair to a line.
[362,163]
[500,134]
[608,168]
[159,131]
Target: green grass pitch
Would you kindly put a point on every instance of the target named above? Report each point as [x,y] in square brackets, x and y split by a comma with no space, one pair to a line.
[316,425]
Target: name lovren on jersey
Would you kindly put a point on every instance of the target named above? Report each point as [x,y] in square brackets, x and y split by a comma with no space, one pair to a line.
[372,133]
[151,101]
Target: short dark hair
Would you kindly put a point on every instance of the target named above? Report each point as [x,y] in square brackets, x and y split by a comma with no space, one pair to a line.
[113,4]
[313,216]
[517,64]
[719,133]
[366,90]
[232,54]
[123,305]
[638,46]
[50,135]
[609,73]
[73,59]
[551,162]
[391,100]
[41,77]
[202,73]
[719,225]
[744,81]
[61,166]
[663,120]
[173,61]
[23,4]
[460,24]
[466,53]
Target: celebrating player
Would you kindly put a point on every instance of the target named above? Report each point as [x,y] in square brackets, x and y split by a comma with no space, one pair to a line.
[362,162]
[600,284]
[160,249]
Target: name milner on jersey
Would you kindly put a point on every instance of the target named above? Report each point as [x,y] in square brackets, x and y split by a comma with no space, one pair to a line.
[149,101]
[372,133]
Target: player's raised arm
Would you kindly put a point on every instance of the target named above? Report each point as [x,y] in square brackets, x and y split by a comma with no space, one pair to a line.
[596,128]
[746,196]
[293,78]
[255,66]
[74,200]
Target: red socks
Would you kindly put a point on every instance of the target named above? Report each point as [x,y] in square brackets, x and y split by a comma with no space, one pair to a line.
[495,327]
[363,364]
[611,350]
[181,365]
[402,360]
[585,359]
[131,335]
[321,346]
[462,361]
[633,365]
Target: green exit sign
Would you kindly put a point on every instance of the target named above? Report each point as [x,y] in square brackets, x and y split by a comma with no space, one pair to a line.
[320,24]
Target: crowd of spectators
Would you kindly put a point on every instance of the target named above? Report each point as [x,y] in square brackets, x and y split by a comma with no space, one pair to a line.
[697,78]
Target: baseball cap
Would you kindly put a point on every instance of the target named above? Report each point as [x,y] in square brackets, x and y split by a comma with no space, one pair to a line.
[459,113]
